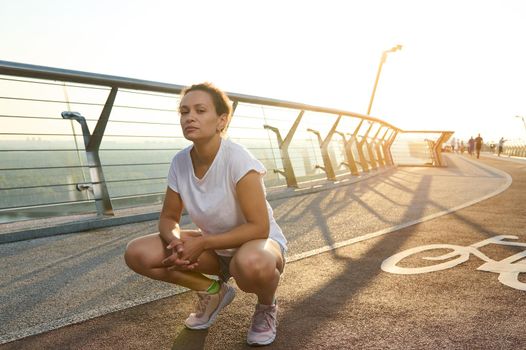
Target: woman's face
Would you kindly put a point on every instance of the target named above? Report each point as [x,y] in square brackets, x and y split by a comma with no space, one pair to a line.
[199,119]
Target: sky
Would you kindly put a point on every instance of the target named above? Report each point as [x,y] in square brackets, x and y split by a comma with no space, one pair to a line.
[462,66]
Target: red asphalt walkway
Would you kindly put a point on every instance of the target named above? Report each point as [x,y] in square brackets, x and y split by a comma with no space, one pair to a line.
[342,299]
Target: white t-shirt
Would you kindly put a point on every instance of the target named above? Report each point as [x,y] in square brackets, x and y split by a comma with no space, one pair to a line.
[211,201]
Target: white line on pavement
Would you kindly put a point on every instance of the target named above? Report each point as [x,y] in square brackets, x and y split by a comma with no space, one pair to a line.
[177,290]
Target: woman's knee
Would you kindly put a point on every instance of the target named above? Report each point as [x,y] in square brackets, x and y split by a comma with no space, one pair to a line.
[133,254]
[257,265]
[141,253]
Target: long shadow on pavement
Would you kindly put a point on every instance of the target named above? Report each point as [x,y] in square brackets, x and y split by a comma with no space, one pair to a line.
[190,340]
[330,298]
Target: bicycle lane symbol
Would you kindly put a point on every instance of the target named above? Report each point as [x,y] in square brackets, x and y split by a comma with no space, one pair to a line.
[508,269]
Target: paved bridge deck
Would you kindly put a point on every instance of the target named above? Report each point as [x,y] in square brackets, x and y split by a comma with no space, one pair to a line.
[334,294]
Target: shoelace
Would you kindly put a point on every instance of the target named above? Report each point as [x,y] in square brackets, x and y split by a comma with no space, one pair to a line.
[202,303]
[262,320]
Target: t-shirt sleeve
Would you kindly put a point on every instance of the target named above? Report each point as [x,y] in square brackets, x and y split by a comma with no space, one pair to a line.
[172,178]
[243,162]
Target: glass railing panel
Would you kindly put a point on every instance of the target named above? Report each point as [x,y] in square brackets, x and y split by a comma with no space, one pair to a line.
[152,101]
[354,150]
[305,156]
[246,128]
[305,147]
[30,89]
[374,130]
[42,211]
[347,125]
[43,157]
[414,148]
[137,187]
[337,154]
[42,195]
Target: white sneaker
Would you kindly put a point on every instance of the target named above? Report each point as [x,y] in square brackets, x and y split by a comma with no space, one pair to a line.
[262,331]
[209,306]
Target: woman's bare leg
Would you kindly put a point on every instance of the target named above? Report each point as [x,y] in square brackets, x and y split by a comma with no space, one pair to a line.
[144,255]
[256,267]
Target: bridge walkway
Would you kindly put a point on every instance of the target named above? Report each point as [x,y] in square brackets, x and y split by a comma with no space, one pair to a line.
[334,294]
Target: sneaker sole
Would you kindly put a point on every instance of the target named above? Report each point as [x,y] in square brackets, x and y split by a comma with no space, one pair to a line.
[227,299]
[266,342]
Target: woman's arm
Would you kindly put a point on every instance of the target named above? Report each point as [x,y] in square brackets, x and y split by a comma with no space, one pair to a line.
[170,231]
[251,198]
[170,216]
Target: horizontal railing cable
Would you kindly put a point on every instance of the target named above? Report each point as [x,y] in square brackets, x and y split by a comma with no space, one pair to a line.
[75,183]
[88,104]
[80,135]
[47,167]
[75,150]
[89,120]
[267,127]
[44,204]
[90,87]
[139,195]
[42,72]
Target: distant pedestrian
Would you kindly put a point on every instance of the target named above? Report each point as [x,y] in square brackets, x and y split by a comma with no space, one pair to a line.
[478,145]
[471,146]
[501,145]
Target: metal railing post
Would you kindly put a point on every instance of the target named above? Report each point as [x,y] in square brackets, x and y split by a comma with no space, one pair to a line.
[351,163]
[133,192]
[288,170]
[234,106]
[324,147]
[363,162]
[372,159]
[369,152]
[382,159]
[434,157]
[92,143]
[437,147]
[327,165]
[375,147]
[387,147]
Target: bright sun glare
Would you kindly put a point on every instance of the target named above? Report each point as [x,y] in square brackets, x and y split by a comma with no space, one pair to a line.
[461,67]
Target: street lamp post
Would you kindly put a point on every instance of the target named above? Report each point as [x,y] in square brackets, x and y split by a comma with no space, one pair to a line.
[382,60]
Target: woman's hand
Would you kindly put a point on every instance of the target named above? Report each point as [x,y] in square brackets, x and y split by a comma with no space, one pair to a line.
[192,248]
[175,261]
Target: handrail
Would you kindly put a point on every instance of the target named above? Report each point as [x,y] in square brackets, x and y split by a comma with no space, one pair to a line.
[43,72]
[88,182]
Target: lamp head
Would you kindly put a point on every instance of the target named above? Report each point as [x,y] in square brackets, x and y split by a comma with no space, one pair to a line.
[313,131]
[396,48]
[72,115]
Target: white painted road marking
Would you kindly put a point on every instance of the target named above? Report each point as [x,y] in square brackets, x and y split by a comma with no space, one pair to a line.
[508,269]
[102,310]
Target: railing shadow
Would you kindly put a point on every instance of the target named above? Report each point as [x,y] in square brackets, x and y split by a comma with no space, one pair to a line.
[314,210]
[330,298]
[190,340]
[356,275]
